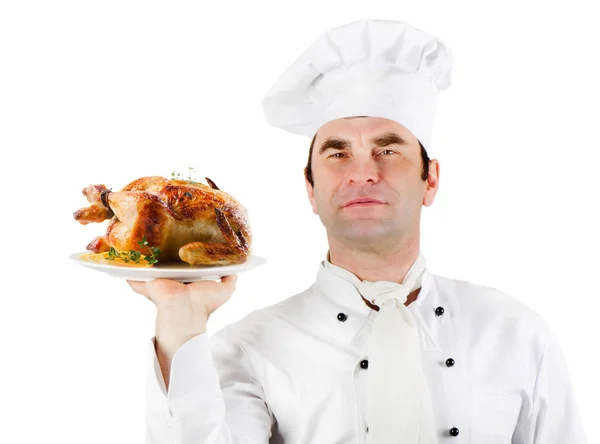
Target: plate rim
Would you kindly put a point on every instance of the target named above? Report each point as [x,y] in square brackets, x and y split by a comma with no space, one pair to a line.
[196,271]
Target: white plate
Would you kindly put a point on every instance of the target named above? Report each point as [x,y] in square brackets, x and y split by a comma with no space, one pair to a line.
[179,271]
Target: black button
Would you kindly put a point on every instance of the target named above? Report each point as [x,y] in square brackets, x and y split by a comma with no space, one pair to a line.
[342,317]
[367,429]
[453,431]
[364,363]
[439,311]
[449,362]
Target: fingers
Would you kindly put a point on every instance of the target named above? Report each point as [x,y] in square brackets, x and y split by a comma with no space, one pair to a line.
[163,289]
[211,293]
[229,281]
[226,289]
[140,288]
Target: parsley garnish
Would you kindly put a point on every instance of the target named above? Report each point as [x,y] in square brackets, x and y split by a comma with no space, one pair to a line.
[177,176]
[154,251]
[112,253]
[134,255]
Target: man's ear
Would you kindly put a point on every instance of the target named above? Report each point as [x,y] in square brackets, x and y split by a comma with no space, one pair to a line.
[311,194]
[433,182]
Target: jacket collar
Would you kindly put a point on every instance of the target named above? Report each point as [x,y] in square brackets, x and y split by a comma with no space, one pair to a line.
[341,296]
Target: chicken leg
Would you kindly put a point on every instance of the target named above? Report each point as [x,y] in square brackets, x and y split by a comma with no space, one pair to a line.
[233,251]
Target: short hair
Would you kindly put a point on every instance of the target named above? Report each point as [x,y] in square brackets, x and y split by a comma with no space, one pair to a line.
[308,167]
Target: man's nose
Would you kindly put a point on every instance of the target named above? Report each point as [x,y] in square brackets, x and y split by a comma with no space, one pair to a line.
[362,170]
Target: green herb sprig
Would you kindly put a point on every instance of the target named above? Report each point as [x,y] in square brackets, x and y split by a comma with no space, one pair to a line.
[177,176]
[154,251]
[134,255]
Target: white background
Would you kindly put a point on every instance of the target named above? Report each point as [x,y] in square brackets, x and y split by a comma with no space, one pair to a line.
[105,92]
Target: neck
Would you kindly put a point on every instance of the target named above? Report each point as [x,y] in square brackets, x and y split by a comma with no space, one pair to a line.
[371,265]
[375,265]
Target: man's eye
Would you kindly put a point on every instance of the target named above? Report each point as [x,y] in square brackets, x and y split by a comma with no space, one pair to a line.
[387,151]
[334,155]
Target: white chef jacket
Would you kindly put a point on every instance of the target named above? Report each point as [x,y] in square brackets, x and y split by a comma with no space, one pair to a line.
[295,373]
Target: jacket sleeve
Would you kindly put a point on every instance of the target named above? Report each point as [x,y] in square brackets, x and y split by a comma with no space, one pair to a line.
[213,397]
[554,416]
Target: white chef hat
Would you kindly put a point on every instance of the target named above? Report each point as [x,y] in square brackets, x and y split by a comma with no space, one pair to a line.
[378,68]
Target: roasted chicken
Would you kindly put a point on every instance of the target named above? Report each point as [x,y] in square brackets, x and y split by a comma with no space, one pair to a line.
[189,221]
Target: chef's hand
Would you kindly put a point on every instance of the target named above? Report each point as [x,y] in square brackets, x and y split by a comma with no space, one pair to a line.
[182,310]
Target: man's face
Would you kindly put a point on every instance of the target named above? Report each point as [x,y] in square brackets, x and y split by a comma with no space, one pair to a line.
[369,158]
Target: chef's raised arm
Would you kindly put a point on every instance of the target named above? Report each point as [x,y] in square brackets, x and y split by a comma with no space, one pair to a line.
[554,416]
[212,396]
[200,389]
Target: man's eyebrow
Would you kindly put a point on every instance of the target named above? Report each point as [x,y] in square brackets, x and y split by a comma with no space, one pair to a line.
[380,141]
[388,139]
[334,143]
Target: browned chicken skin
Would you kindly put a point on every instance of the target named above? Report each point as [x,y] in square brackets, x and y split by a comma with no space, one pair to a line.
[191,222]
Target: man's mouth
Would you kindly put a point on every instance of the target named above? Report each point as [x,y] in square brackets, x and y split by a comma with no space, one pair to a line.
[363,201]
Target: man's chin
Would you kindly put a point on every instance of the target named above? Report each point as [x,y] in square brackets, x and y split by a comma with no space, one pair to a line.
[367,231]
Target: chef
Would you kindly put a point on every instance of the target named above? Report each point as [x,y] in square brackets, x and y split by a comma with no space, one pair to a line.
[378,349]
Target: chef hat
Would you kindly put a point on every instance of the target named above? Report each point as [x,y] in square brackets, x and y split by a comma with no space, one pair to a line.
[378,68]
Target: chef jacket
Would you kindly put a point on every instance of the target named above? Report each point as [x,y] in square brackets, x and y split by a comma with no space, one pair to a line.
[295,372]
